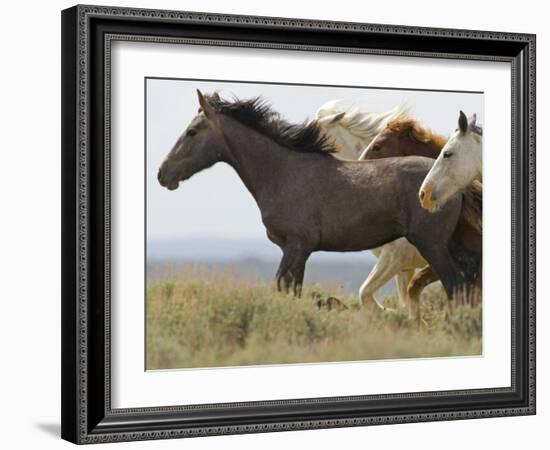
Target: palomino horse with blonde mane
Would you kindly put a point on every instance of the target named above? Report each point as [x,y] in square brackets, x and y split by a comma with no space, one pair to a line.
[351,128]
[406,137]
[360,204]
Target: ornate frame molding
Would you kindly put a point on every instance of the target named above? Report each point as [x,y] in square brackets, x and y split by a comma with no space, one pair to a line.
[85,422]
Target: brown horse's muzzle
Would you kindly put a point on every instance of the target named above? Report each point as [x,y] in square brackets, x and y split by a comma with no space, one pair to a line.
[427,198]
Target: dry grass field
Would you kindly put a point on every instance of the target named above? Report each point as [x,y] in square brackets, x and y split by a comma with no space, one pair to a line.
[200,319]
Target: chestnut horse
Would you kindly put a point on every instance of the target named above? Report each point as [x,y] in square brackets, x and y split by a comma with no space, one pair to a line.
[358,206]
[404,136]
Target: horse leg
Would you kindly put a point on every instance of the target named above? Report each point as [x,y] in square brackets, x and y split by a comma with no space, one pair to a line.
[297,270]
[451,279]
[292,268]
[441,262]
[476,297]
[403,279]
[472,292]
[419,281]
[381,273]
[282,276]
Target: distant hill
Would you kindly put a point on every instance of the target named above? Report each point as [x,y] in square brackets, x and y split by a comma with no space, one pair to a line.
[253,259]
[230,249]
[347,276]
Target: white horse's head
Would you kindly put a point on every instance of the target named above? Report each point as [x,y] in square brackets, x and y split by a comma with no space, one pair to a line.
[456,167]
[350,128]
[329,118]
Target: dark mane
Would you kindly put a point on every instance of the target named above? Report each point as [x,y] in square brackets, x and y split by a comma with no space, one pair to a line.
[257,114]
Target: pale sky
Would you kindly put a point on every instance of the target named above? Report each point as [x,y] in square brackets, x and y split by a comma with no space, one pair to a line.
[215,203]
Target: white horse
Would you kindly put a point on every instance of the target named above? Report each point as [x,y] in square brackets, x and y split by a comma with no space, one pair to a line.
[456,167]
[352,130]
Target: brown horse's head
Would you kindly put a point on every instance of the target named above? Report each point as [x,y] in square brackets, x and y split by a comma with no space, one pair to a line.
[199,147]
[404,137]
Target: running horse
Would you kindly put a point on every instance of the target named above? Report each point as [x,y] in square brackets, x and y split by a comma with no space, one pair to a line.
[351,130]
[404,136]
[360,204]
[457,166]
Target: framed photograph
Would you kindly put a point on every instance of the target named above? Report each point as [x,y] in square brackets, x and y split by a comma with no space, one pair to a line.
[280,224]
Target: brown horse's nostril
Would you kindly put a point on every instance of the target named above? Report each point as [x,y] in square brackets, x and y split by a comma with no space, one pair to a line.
[421,194]
[159,175]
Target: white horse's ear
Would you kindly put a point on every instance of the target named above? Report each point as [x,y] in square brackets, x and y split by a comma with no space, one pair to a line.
[462,122]
[338,117]
[333,118]
[206,107]
[472,121]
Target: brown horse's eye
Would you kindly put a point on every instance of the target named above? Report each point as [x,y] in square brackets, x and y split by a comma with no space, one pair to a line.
[191,132]
[376,147]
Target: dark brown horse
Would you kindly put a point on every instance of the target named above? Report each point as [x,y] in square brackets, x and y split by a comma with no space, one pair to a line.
[358,206]
[406,137]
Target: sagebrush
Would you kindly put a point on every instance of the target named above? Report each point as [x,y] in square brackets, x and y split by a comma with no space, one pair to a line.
[220,321]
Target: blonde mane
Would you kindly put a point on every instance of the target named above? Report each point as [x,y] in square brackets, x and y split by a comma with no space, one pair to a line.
[365,125]
[405,124]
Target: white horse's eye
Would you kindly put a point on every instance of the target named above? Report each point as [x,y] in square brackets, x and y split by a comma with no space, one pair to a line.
[447,154]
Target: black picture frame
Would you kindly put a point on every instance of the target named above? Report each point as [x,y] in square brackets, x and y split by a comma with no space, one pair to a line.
[87,416]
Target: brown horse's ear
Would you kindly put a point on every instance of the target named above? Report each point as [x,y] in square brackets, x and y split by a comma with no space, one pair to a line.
[462,122]
[205,105]
[419,137]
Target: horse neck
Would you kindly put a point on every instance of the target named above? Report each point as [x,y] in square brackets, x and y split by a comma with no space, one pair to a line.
[429,149]
[472,157]
[352,148]
[479,162]
[251,154]
[351,145]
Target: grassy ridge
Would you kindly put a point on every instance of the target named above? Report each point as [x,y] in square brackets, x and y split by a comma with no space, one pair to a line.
[194,322]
